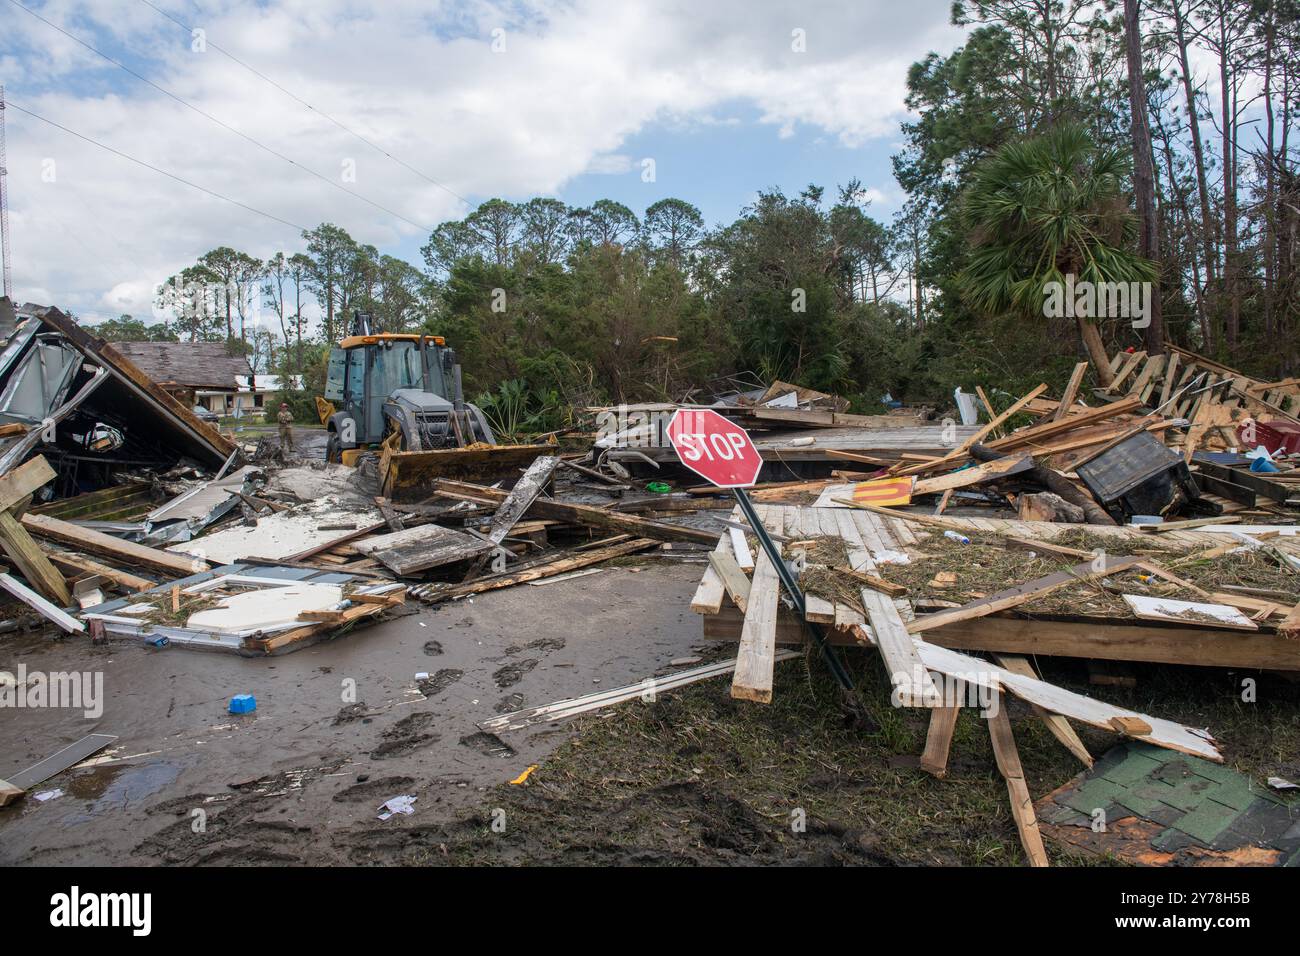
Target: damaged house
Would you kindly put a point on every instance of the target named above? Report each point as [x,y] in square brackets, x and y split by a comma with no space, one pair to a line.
[205,374]
[90,409]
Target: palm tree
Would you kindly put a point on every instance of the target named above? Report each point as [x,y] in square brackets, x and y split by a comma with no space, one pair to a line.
[1044,208]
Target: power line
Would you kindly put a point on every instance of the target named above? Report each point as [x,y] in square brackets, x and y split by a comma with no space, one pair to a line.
[140,162]
[298,99]
[226,126]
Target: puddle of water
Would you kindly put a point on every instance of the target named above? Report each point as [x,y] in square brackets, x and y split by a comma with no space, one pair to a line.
[115,787]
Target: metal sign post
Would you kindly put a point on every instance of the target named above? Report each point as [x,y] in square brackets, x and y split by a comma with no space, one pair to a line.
[721,452]
[792,588]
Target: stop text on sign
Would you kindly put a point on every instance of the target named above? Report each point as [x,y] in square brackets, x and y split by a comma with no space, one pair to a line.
[715,448]
[712,446]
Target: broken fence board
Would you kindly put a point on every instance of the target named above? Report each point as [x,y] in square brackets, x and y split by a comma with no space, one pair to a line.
[1189,613]
[1022,804]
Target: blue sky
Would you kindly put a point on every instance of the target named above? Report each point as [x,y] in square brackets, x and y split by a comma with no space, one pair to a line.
[727,98]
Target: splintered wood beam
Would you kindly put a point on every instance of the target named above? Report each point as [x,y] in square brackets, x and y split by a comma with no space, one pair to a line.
[1058,726]
[1290,626]
[1008,759]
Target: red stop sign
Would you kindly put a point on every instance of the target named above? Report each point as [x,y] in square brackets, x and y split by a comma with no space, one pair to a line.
[717,450]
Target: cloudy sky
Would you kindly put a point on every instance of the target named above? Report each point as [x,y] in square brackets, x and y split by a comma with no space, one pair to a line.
[471,99]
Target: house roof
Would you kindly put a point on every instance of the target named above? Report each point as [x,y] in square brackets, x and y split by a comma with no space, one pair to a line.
[191,364]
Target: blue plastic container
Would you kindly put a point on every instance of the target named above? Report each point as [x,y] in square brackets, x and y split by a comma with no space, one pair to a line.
[243,704]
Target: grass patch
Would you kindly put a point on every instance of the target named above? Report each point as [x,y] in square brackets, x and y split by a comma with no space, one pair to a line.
[699,778]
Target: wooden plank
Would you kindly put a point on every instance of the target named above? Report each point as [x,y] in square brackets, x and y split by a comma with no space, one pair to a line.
[1022,804]
[1100,639]
[709,592]
[1071,391]
[87,539]
[1171,376]
[24,480]
[938,739]
[1188,613]
[1057,725]
[31,561]
[989,471]
[733,579]
[960,450]
[1187,525]
[80,564]
[756,654]
[1023,593]
[875,583]
[740,549]
[39,604]
[913,686]
[1111,640]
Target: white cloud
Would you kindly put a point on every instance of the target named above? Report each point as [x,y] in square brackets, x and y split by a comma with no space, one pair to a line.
[575,81]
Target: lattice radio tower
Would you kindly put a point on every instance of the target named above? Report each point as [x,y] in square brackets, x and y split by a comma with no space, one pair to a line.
[4,197]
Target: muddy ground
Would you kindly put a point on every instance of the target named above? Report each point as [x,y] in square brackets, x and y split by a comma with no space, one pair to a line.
[301,780]
[692,777]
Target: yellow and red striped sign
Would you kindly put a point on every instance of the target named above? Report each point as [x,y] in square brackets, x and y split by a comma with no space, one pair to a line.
[884,492]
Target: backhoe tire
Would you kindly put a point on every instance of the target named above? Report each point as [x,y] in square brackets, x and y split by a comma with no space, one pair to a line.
[333,449]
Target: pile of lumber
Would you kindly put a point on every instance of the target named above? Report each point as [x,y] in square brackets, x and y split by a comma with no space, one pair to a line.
[922,648]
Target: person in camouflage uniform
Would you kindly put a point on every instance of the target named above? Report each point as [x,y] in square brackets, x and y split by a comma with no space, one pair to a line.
[285,418]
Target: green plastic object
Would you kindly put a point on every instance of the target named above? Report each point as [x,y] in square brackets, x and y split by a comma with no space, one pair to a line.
[659,487]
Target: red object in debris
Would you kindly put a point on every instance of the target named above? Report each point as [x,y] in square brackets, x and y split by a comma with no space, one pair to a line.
[1272,435]
[716,449]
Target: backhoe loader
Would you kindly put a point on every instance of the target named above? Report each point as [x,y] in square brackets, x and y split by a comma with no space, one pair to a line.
[401,393]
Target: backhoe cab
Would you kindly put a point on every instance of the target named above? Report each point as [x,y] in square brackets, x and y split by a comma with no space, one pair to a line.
[382,386]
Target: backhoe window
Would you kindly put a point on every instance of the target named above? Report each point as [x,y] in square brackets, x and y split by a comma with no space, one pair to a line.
[396,367]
